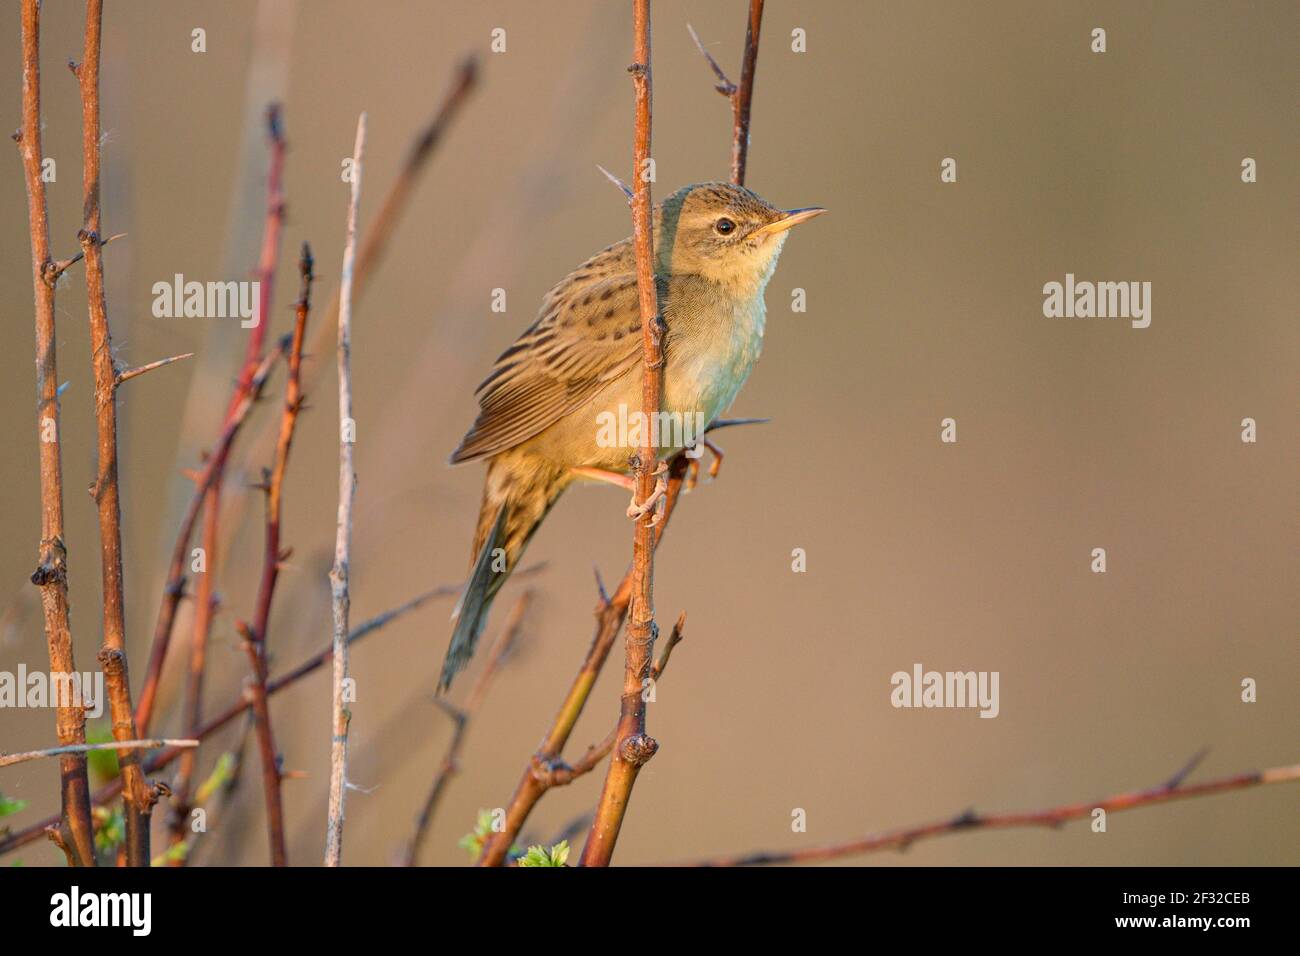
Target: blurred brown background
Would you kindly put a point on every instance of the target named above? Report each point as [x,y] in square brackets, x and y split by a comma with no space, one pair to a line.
[924,302]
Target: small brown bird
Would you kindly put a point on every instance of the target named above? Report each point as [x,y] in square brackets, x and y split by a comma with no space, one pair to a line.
[547,404]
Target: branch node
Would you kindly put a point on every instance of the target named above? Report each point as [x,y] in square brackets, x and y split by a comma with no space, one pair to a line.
[55,835]
[53,566]
[638,749]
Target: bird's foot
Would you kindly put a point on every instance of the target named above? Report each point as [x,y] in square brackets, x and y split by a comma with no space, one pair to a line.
[656,501]
[693,475]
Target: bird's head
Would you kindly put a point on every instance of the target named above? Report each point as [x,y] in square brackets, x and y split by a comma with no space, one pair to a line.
[724,233]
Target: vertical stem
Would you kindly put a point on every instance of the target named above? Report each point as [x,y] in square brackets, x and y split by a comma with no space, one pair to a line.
[633,746]
[75,832]
[255,638]
[343,537]
[138,796]
[744,94]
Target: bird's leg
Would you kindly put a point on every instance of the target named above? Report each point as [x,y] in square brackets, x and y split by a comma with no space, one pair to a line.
[628,483]
[615,478]
[716,465]
[693,475]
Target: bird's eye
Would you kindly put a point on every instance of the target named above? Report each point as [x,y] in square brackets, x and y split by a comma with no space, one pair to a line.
[724,226]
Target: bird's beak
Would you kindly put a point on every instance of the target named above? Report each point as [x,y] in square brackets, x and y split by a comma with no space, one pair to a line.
[791,217]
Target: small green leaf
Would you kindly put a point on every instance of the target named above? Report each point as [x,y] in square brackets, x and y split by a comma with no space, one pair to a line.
[472,843]
[540,856]
[10,806]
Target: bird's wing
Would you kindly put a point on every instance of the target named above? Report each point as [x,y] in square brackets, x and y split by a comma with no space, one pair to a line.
[586,337]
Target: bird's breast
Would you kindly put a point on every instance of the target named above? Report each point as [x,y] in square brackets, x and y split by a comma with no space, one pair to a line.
[711,356]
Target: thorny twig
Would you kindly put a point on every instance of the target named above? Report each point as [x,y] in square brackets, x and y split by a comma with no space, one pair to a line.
[273,556]
[8,760]
[166,756]
[73,825]
[634,747]
[1054,817]
[340,597]
[138,795]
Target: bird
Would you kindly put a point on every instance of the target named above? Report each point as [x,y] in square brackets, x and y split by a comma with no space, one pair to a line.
[541,406]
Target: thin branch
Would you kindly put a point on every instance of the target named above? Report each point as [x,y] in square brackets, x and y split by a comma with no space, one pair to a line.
[741,97]
[269,258]
[546,767]
[634,746]
[561,774]
[1186,770]
[744,96]
[127,374]
[623,187]
[246,391]
[8,760]
[138,795]
[725,86]
[340,598]
[273,556]
[1053,817]
[450,765]
[674,638]
[74,827]
[165,757]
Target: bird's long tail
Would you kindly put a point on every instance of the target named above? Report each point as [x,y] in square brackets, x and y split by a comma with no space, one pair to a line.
[515,500]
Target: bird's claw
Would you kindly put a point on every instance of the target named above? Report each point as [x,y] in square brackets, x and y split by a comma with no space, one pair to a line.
[656,501]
